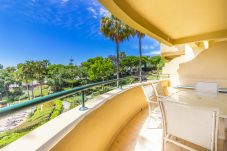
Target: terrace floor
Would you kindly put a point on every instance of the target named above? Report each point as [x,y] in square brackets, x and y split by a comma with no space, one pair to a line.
[144,134]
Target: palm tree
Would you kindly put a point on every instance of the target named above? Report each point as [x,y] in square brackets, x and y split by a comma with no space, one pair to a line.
[25,73]
[31,73]
[40,69]
[117,31]
[140,36]
[21,75]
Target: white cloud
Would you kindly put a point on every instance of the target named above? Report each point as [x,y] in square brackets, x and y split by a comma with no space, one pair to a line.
[93,12]
[97,11]
[95,3]
[148,47]
[103,12]
[152,53]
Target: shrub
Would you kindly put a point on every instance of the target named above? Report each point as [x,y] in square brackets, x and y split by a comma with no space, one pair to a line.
[10,138]
[57,109]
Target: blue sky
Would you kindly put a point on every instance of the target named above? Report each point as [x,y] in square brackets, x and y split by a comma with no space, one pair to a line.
[58,30]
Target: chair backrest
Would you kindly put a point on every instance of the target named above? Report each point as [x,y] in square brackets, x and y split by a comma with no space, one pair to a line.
[206,87]
[193,124]
[149,91]
[162,87]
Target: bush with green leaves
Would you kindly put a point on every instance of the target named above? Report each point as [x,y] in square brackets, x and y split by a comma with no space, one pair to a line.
[57,109]
[10,138]
[41,115]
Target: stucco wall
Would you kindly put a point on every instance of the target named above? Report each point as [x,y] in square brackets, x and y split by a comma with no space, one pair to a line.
[209,66]
[173,66]
[98,129]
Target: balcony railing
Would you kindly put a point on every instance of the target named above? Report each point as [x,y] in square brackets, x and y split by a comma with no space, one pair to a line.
[81,93]
[37,101]
[27,104]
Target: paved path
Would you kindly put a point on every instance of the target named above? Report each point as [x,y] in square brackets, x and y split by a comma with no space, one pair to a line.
[14,120]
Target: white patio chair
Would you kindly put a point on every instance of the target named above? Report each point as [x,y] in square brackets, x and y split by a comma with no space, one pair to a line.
[193,124]
[206,87]
[151,95]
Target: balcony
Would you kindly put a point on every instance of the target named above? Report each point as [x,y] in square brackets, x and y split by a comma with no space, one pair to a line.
[99,119]
[118,120]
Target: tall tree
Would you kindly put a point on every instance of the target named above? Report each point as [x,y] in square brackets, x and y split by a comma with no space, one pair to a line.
[71,61]
[25,73]
[40,69]
[7,78]
[56,75]
[117,31]
[140,36]
[71,75]
[129,63]
[1,66]
[157,63]
[101,69]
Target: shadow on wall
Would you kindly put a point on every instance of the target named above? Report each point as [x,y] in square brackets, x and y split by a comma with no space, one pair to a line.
[209,66]
[98,129]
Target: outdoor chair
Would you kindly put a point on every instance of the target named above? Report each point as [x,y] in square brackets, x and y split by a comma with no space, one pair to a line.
[151,95]
[196,125]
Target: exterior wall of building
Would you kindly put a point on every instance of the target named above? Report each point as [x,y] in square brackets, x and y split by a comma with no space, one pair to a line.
[191,51]
[209,66]
[98,129]
[172,66]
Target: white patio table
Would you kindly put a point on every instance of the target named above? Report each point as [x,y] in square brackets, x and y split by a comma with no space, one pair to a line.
[191,97]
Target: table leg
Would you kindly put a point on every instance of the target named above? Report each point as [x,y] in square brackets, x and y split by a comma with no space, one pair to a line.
[221,135]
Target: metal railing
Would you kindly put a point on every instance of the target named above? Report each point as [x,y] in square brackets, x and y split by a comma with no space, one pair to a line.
[37,111]
[37,101]
[50,97]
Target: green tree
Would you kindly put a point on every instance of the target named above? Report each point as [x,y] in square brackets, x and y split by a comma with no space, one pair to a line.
[26,73]
[117,31]
[71,61]
[140,36]
[99,68]
[71,75]
[83,75]
[157,63]
[7,78]
[2,88]
[1,66]
[129,63]
[56,73]
[40,70]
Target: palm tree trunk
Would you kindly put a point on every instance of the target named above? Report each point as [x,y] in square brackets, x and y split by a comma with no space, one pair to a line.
[117,44]
[140,61]
[41,89]
[27,86]
[32,90]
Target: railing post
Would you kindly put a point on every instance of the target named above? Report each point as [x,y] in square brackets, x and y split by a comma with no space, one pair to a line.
[83,107]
